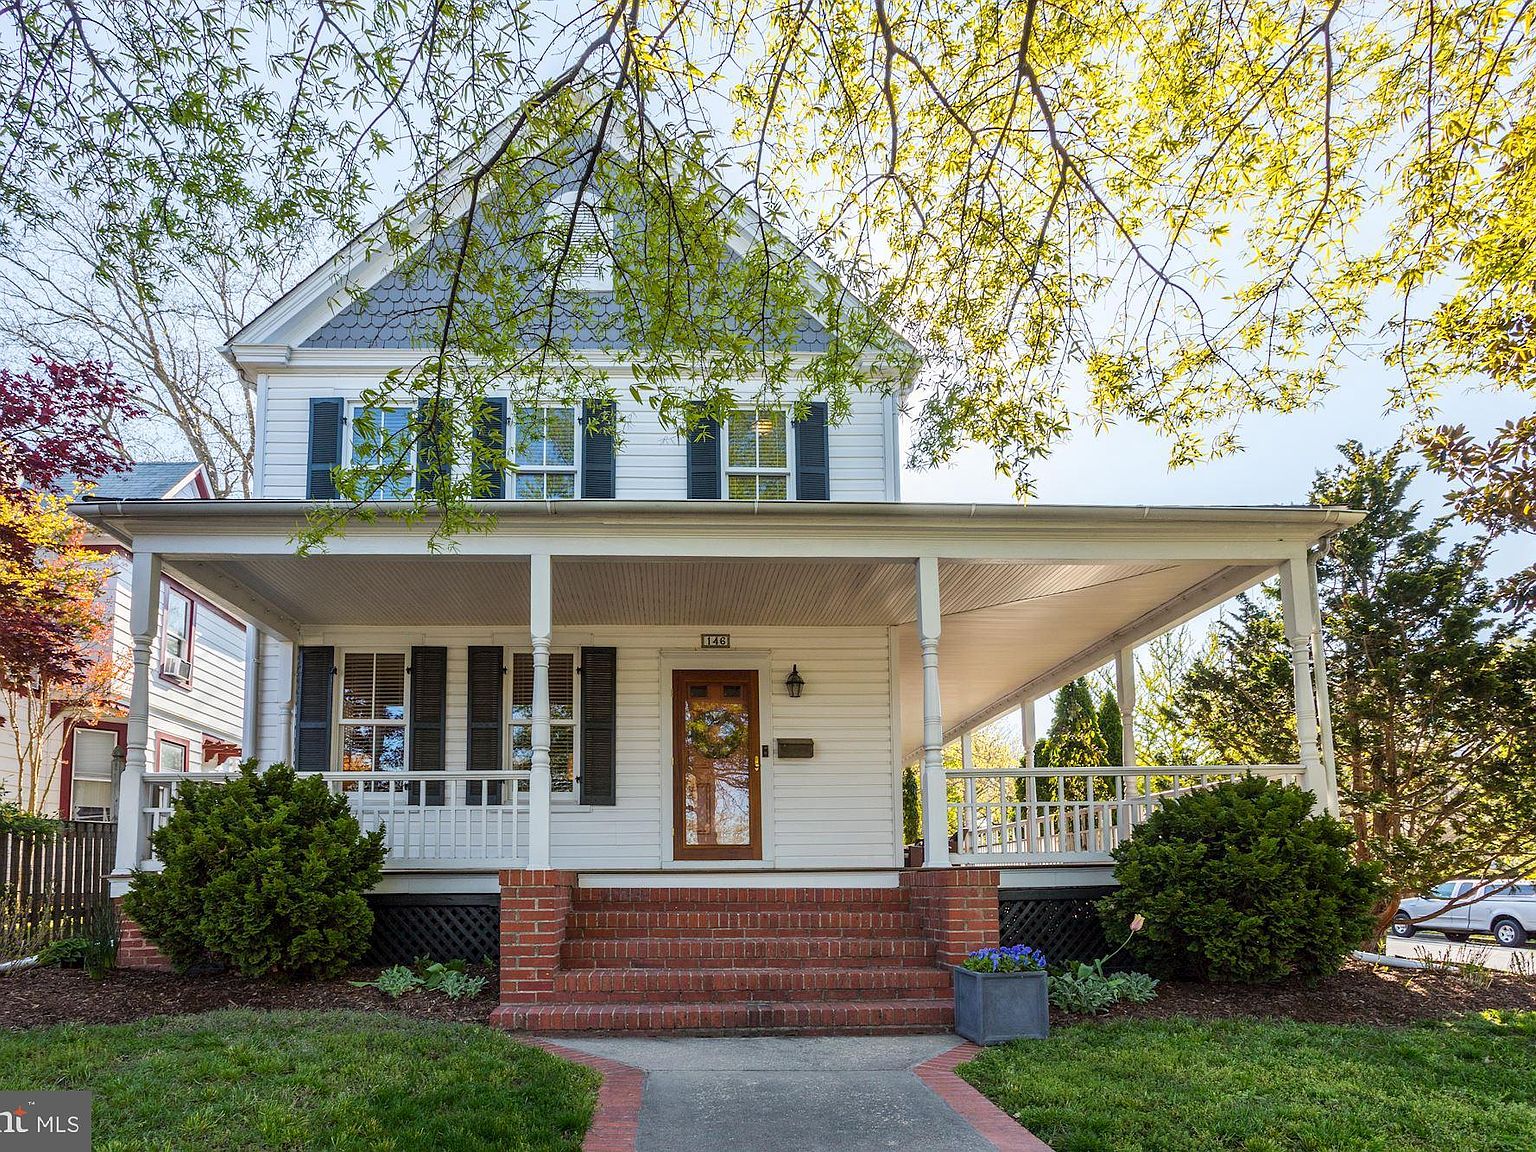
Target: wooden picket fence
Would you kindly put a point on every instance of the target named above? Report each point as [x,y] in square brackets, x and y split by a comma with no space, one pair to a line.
[59,880]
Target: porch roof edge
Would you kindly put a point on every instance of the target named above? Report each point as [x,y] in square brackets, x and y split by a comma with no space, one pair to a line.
[117,517]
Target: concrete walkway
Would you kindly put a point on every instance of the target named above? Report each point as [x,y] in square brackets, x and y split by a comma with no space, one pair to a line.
[756,1094]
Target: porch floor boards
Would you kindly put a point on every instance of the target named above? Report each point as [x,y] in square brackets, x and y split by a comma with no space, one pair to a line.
[784,961]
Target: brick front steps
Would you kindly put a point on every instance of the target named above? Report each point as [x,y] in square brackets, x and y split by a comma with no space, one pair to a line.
[740,960]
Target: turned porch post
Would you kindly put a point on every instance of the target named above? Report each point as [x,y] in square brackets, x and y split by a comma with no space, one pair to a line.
[144,621]
[539,613]
[935,795]
[1320,686]
[1296,603]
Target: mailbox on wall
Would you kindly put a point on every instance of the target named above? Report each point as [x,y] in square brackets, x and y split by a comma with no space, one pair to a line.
[796,749]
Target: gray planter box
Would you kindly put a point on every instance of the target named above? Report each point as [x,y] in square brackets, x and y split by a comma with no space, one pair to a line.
[992,1007]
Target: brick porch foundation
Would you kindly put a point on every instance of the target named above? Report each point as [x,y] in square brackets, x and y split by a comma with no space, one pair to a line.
[133,949]
[957,908]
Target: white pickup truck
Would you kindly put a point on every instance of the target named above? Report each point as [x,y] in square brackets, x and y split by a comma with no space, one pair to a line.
[1460,908]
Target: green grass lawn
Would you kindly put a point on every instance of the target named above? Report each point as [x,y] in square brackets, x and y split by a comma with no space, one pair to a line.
[1181,1085]
[243,1080]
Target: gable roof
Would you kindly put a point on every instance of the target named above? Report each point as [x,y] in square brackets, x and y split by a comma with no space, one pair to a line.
[358,298]
[154,480]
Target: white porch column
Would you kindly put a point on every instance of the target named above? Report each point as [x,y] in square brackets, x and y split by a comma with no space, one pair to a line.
[539,613]
[288,661]
[935,795]
[1320,687]
[1027,733]
[1296,602]
[968,823]
[144,622]
[250,733]
[1125,697]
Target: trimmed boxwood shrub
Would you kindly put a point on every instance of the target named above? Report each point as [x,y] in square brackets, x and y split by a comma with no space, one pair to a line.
[265,873]
[1241,883]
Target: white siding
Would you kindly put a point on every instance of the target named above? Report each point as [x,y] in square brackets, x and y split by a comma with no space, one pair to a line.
[214,703]
[276,690]
[833,811]
[651,464]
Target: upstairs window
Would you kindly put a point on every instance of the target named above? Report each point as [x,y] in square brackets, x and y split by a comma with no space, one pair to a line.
[544,450]
[562,717]
[757,454]
[373,712]
[176,636]
[379,441]
[588,263]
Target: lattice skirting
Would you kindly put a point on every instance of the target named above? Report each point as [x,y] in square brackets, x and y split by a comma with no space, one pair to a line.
[409,927]
[1061,922]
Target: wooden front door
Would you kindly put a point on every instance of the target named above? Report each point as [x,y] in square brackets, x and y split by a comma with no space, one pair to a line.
[716,782]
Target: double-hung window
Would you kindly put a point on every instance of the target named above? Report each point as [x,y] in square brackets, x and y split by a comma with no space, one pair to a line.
[373,712]
[562,717]
[176,637]
[757,454]
[380,443]
[544,450]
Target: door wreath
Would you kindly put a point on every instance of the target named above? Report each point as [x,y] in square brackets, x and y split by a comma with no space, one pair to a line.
[717,732]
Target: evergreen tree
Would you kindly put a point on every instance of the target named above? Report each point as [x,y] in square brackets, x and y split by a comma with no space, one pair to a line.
[1074,739]
[1112,728]
[1433,690]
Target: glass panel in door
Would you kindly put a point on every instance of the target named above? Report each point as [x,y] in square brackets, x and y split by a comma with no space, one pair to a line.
[716,783]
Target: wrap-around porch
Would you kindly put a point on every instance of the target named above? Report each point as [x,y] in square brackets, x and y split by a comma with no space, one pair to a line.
[908,628]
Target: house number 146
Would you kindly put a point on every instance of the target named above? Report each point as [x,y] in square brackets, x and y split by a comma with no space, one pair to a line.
[715,640]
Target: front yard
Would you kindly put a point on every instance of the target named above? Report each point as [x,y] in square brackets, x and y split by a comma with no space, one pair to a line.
[243,1081]
[1180,1085]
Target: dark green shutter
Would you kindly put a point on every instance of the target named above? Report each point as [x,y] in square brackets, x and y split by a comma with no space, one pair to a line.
[812,459]
[597,471]
[312,725]
[490,431]
[429,716]
[599,725]
[325,429]
[486,670]
[432,460]
[704,460]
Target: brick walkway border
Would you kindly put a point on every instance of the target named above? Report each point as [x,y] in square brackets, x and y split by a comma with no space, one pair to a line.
[616,1120]
[994,1125]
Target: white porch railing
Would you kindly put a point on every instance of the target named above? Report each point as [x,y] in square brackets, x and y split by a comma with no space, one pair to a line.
[437,820]
[1071,815]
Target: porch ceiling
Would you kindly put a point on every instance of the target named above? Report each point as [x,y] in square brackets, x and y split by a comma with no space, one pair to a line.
[460,591]
[1047,626]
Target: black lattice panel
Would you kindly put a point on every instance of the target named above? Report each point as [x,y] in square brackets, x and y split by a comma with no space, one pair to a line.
[1062,923]
[410,928]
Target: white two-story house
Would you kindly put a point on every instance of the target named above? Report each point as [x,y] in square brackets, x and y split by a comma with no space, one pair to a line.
[658,715]
[196,699]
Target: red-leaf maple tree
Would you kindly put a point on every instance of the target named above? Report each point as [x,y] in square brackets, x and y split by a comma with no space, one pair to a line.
[58,435]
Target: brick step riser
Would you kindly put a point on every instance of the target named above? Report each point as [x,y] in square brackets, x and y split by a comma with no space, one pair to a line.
[762,996]
[792,1017]
[671,900]
[645,986]
[591,928]
[780,952]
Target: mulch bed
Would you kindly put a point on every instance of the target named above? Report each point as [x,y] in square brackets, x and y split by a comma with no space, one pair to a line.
[38,997]
[1359,994]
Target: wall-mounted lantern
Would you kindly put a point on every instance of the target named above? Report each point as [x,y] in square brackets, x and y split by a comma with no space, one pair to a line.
[794,682]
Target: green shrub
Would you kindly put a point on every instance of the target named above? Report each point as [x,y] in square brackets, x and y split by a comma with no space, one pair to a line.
[1240,883]
[265,873]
